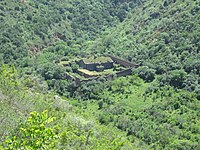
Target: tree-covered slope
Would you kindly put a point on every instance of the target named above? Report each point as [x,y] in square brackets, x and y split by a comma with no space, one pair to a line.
[31,118]
[157,107]
[163,35]
[29,25]
[155,117]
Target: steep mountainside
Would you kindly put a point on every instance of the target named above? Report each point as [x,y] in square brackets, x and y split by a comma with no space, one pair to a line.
[156,107]
[163,35]
[30,25]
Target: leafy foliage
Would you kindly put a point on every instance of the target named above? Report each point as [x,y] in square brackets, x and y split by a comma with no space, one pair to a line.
[161,35]
[57,128]
[34,134]
[161,117]
[155,108]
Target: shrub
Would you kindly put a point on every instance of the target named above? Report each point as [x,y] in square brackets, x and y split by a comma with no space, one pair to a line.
[145,73]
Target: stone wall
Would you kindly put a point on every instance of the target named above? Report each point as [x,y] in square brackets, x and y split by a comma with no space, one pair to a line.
[107,77]
[69,77]
[123,62]
[124,72]
[93,66]
[84,74]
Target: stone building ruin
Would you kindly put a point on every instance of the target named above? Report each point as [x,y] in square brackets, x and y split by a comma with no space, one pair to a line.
[96,64]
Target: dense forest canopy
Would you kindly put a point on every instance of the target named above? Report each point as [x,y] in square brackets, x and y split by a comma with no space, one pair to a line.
[157,107]
[32,25]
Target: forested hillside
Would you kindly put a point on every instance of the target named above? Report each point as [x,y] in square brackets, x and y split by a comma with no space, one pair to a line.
[157,107]
[163,35]
[29,25]
[55,125]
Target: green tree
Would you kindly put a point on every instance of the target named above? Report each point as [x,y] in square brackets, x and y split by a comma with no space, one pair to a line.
[35,133]
[177,78]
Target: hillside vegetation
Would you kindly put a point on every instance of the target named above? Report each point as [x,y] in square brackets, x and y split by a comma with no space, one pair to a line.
[34,120]
[163,35]
[157,107]
[29,25]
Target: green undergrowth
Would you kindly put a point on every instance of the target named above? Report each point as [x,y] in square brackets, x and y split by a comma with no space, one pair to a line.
[34,120]
[159,111]
[155,116]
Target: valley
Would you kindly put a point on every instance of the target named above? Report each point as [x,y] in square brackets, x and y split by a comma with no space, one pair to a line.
[109,74]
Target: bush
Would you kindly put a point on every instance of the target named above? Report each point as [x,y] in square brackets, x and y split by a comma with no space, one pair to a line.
[34,134]
[177,78]
[145,73]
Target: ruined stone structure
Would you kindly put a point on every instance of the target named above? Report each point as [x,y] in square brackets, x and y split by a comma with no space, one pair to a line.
[90,68]
[96,64]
